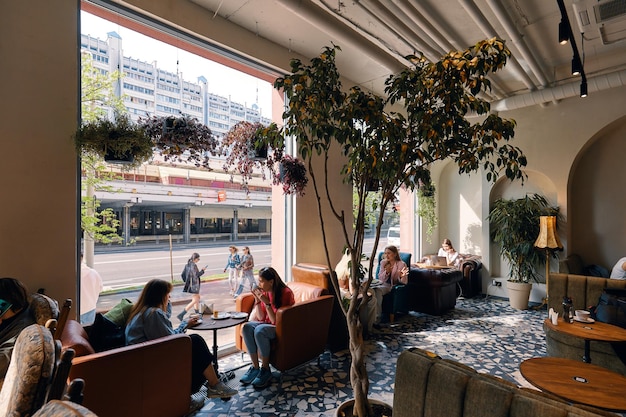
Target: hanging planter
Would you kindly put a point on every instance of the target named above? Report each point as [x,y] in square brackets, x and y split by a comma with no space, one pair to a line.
[291,175]
[119,141]
[183,139]
[259,153]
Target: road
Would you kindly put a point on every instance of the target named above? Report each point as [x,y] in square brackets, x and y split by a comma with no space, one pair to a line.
[128,269]
[135,267]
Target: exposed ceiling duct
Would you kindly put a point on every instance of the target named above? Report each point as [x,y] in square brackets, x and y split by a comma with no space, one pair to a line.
[598,83]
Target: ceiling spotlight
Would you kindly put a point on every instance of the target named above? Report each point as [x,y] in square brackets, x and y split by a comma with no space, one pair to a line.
[563,32]
[583,89]
[577,66]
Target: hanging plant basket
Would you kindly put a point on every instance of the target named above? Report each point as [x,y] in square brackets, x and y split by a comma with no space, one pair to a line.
[112,157]
[259,153]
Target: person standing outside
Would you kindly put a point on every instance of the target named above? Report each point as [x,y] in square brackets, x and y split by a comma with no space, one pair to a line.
[90,288]
[192,285]
[247,271]
[232,266]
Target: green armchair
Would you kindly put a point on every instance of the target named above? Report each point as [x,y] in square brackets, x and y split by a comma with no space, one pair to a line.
[396,301]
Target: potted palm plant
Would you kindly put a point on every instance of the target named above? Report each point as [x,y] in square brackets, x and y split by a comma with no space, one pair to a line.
[514,227]
[323,118]
[182,139]
[116,141]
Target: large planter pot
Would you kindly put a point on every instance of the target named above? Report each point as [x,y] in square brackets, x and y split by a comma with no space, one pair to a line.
[380,408]
[519,294]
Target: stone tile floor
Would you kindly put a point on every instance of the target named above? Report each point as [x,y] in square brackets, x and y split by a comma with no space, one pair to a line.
[486,334]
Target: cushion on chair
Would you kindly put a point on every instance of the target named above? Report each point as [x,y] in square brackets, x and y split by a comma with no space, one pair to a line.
[44,308]
[120,313]
[29,373]
[303,291]
[56,408]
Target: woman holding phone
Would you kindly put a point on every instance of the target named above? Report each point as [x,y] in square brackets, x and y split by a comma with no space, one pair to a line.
[270,295]
[192,285]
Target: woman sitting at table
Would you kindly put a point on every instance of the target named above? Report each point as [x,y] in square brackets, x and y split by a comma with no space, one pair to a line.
[258,333]
[447,250]
[150,319]
[392,271]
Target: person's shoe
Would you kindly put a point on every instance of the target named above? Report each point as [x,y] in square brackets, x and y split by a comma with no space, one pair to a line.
[181,315]
[263,379]
[220,390]
[197,402]
[250,375]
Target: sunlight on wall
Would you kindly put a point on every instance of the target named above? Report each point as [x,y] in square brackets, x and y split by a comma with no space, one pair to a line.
[470,224]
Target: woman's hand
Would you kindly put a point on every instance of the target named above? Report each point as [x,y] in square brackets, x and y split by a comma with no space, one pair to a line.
[192,321]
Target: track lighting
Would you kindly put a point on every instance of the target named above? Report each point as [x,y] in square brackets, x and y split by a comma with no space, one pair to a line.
[563,32]
[583,87]
[577,66]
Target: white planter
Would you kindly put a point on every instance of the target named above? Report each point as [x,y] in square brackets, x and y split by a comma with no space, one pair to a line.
[519,293]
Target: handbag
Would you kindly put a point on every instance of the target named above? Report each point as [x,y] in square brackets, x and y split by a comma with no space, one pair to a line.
[611,307]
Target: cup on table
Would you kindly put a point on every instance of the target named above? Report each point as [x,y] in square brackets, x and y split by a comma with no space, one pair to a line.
[215,314]
[583,315]
[555,318]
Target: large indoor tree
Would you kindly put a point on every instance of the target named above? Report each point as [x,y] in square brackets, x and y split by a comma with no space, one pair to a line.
[396,149]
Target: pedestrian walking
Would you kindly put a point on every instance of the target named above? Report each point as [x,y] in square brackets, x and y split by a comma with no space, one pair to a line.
[232,266]
[247,271]
[191,276]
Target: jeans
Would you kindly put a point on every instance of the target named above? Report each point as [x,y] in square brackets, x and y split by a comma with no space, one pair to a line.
[246,275]
[257,335]
[88,318]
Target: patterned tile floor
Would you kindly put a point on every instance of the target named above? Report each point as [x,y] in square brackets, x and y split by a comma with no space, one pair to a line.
[486,334]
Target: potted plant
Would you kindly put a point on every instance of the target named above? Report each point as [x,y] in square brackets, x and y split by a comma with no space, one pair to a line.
[292,175]
[324,119]
[514,227]
[116,141]
[182,139]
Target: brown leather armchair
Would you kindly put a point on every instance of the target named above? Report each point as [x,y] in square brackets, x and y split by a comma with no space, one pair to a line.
[301,329]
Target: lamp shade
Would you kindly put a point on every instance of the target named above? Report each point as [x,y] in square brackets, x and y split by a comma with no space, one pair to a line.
[548,238]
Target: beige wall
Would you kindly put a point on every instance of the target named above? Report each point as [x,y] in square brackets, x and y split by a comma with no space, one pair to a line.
[39,114]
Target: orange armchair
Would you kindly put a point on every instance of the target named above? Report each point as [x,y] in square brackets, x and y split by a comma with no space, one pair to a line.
[301,329]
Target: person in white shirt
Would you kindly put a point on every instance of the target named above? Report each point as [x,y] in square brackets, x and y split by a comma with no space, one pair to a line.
[90,288]
[619,270]
[449,252]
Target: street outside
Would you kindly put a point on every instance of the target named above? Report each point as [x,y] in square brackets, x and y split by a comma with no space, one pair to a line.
[125,272]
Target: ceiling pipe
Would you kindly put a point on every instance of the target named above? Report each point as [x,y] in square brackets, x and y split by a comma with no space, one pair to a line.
[598,83]
[518,41]
[381,13]
[448,32]
[327,23]
[489,31]
[425,25]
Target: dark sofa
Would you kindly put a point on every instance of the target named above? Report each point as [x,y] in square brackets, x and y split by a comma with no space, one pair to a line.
[428,386]
[433,291]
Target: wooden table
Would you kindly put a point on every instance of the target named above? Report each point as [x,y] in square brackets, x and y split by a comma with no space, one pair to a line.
[208,323]
[597,331]
[577,382]
[426,266]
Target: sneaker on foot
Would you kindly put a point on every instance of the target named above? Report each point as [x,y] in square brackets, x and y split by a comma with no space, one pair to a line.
[220,391]
[263,379]
[181,315]
[249,376]
[197,402]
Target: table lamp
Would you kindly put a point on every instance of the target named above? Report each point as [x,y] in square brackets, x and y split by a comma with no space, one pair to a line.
[548,240]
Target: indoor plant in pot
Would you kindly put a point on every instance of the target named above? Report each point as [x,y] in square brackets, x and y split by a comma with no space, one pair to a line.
[117,141]
[182,139]
[514,227]
[325,119]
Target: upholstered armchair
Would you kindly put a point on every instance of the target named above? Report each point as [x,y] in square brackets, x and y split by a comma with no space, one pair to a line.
[301,329]
[29,374]
[57,408]
[396,301]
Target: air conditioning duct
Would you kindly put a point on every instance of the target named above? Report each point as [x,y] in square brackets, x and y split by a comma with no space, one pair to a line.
[605,19]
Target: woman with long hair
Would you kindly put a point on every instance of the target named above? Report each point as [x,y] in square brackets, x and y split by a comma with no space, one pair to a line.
[447,250]
[149,319]
[247,271]
[392,271]
[192,285]
[271,294]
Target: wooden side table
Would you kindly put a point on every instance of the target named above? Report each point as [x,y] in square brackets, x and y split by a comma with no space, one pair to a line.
[597,331]
[577,382]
